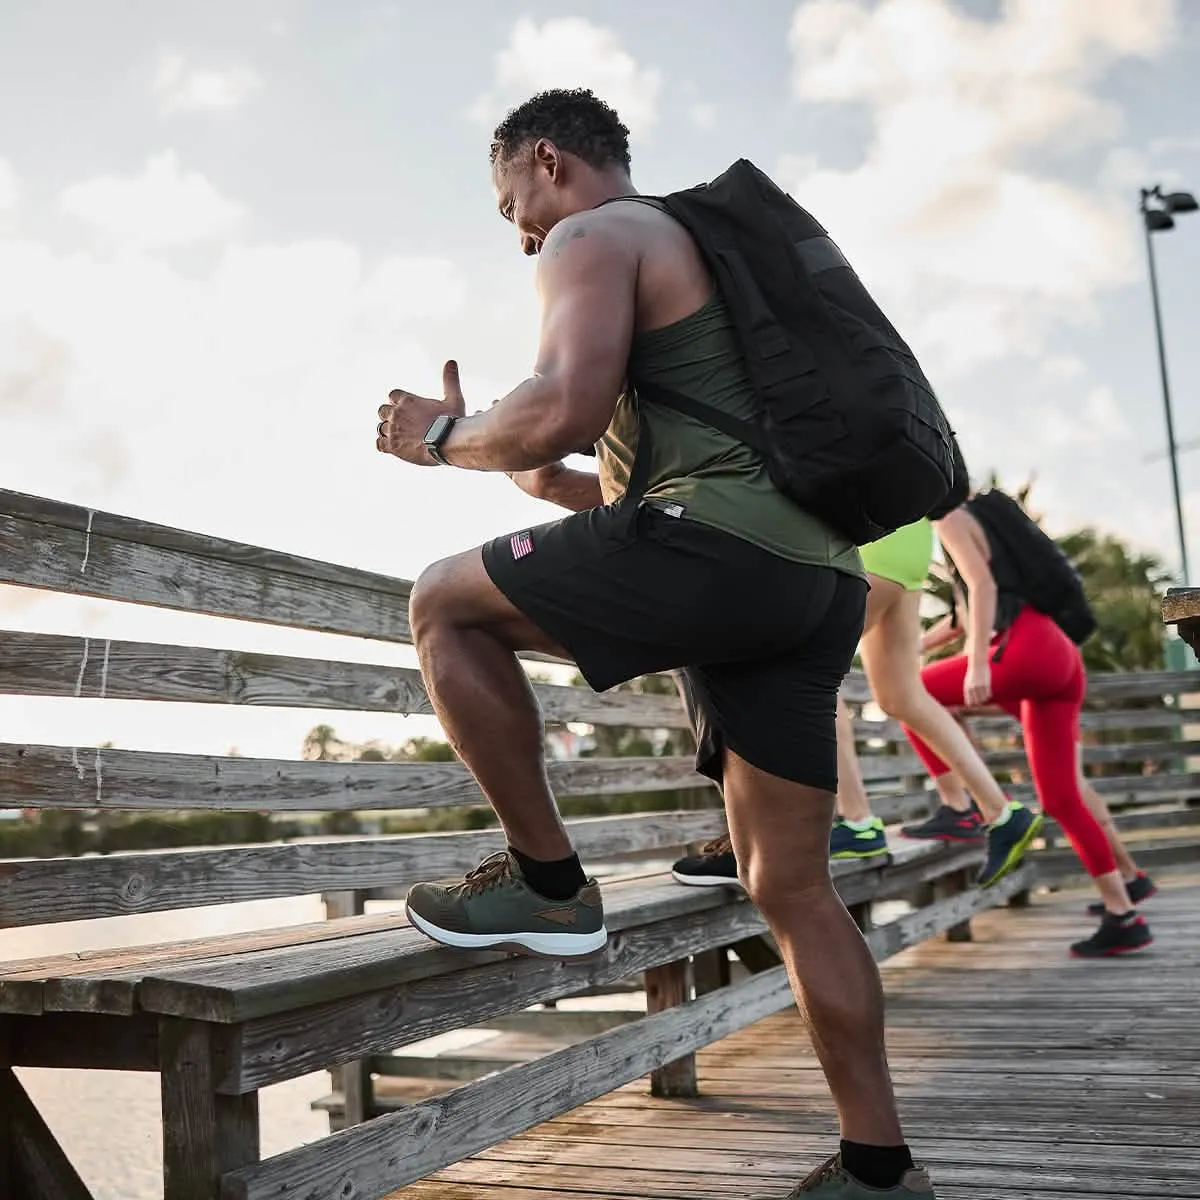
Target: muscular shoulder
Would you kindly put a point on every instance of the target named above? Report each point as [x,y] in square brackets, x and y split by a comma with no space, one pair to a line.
[608,229]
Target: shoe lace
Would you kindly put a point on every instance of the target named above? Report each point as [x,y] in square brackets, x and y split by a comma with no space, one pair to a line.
[829,1171]
[495,869]
[719,845]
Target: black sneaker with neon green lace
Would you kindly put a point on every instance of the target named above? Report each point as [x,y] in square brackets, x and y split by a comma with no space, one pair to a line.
[853,839]
[493,908]
[1008,841]
[831,1181]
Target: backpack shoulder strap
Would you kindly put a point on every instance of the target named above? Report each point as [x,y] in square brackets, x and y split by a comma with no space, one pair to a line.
[745,432]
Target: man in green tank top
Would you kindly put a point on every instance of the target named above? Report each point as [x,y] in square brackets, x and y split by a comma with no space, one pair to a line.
[680,554]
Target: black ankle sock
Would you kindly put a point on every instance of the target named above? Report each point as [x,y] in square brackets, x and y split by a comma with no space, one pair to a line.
[876,1166]
[558,880]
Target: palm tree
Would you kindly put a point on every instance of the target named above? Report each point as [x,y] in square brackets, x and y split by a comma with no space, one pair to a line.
[322,743]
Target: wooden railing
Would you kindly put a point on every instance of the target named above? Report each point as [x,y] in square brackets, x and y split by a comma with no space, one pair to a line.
[221,1017]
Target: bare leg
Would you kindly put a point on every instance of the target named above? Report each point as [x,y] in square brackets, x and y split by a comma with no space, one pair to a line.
[466,632]
[891,656]
[1100,810]
[852,801]
[952,793]
[780,834]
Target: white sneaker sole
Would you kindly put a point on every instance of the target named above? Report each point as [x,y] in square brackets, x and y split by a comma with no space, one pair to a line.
[540,945]
[706,880]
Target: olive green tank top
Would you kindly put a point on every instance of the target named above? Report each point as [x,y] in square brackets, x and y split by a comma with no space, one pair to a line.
[696,472]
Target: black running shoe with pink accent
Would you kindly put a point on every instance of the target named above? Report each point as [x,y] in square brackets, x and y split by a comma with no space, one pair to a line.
[949,825]
[1116,935]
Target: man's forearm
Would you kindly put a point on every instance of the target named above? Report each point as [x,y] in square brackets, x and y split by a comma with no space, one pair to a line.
[576,490]
[521,432]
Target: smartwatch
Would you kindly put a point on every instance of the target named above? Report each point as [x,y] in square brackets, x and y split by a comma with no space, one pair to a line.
[437,434]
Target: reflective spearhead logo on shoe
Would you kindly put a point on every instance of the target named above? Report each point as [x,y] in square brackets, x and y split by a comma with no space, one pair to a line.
[560,916]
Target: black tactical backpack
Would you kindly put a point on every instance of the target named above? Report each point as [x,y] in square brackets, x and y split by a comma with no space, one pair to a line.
[849,426]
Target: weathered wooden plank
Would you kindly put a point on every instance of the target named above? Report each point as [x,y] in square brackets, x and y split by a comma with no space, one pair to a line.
[40,891]
[1126,685]
[37,1167]
[40,664]
[33,776]
[72,518]
[101,988]
[204,1134]
[295,1042]
[242,986]
[1063,868]
[403,1147]
[1180,603]
[1141,685]
[239,986]
[119,559]
[943,915]
[135,780]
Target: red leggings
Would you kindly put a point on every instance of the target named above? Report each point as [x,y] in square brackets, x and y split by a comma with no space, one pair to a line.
[1039,677]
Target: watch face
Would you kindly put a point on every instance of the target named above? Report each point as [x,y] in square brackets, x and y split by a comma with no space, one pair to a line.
[438,430]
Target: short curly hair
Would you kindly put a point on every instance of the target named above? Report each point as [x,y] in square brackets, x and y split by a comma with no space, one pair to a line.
[574,119]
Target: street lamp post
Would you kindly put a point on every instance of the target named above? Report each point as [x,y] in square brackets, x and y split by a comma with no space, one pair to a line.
[1158,211]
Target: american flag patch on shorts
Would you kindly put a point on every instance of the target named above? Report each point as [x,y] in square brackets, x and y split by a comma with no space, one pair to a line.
[522,544]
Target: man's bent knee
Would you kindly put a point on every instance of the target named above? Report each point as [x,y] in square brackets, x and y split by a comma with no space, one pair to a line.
[441,595]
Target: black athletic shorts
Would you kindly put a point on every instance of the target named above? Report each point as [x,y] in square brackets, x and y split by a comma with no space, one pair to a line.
[763,642]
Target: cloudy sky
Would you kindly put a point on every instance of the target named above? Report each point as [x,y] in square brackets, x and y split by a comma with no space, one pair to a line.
[228,229]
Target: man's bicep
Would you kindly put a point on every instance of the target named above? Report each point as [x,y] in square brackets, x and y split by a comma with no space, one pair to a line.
[589,292]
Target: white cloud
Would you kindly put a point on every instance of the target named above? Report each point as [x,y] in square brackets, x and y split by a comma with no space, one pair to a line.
[703,116]
[8,187]
[163,206]
[183,87]
[976,252]
[571,52]
[219,398]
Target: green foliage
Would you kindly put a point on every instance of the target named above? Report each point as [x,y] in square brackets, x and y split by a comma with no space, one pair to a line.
[340,823]
[1125,590]
[424,749]
[68,832]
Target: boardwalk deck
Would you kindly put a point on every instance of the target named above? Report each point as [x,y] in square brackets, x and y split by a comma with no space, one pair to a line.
[1022,1075]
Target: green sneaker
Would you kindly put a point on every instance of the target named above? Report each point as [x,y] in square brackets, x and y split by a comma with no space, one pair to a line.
[831,1182]
[493,908]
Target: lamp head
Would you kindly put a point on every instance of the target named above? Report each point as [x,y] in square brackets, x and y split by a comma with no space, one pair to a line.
[1180,202]
[1158,221]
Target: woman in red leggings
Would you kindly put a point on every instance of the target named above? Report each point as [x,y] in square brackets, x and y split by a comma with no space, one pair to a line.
[1017,656]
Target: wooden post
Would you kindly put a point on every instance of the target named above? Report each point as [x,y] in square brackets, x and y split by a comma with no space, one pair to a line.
[36,1166]
[359,1091]
[352,1079]
[710,970]
[953,885]
[862,915]
[205,1134]
[666,987]
[757,953]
